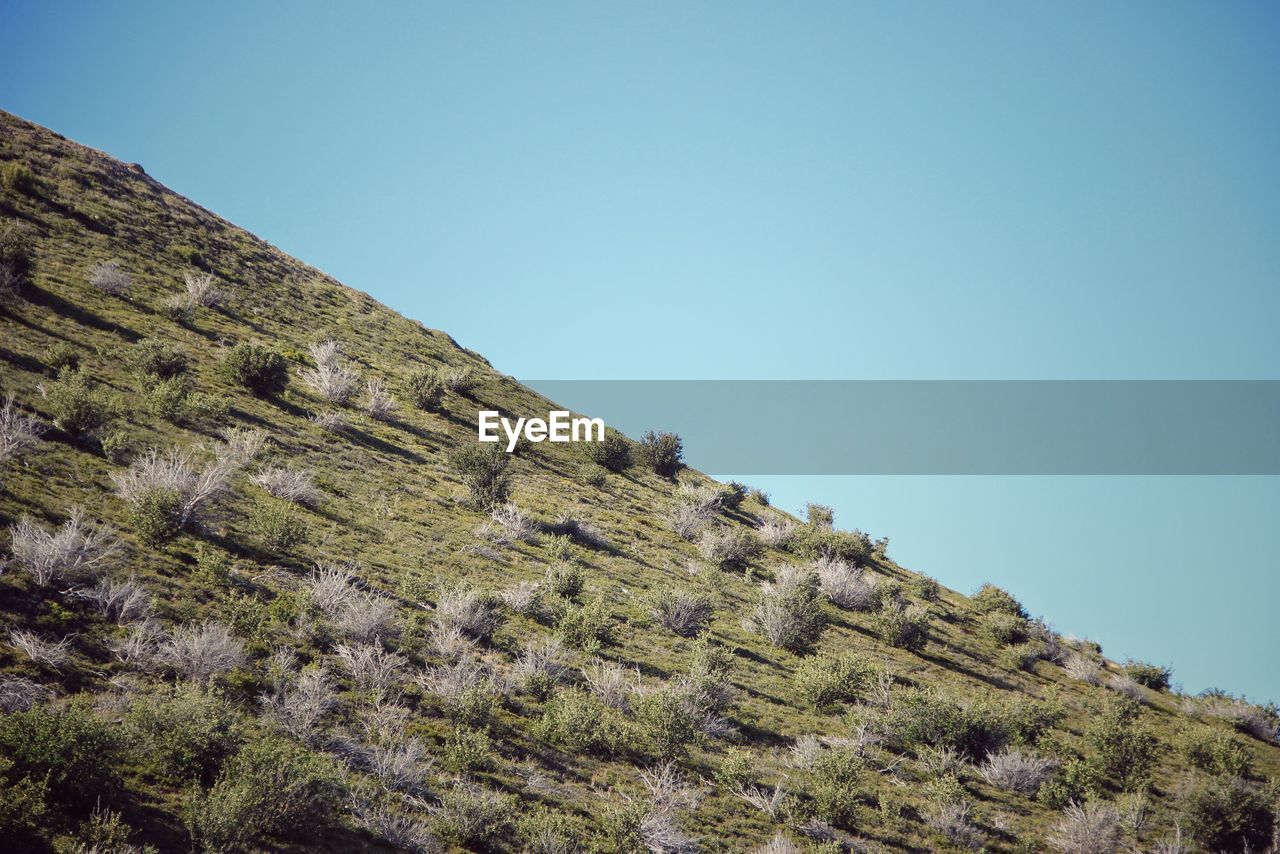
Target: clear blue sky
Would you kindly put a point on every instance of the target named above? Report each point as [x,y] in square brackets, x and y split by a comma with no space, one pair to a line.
[765,190]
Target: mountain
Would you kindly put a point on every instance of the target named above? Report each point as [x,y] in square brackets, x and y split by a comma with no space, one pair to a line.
[264,590]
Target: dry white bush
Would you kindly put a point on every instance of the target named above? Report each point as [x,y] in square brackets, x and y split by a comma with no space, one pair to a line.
[366,617]
[508,524]
[1245,716]
[110,278]
[176,471]
[201,652]
[120,601]
[468,810]
[702,498]
[952,821]
[298,706]
[726,546]
[402,831]
[546,657]
[586,533]
[473,612]
[688,521]
[452,682]
[53,655]
[450,643]
[296,485]
[333,422]
[140,647]
[777,531]
[805,751]
[18,693]
[1017,771]
[1052,648]
[1083,669]
[372,666]
[940,761]
[845,585]
[76,548]
[458,380]
[780,844]
[668,796]
[331,378]
[19,432]
[612,683]
[1173,843]
[768,799]
[400,764]
[379,403]
[1127,686]
[202,290]
[331,586]
[1090,829]
[525,598]
[685,612]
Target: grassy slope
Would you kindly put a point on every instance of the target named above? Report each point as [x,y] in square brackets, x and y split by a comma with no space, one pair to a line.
[391,503]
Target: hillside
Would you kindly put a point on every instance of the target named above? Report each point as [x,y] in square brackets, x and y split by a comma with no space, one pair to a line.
[265,593]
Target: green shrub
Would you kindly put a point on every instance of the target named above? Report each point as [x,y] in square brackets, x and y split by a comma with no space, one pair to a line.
[1022,656]
[1123,750]
[905,628]
[264,372]
[471,816]
[790,611]
[468,750]
[667,725]
[826,680]
[1077,781]
[732,494]
[835,787]
[820,516]
[184,737]
[1024,720]
[59,355]
[187,254]
[662,453]
[586,627]
[17,259]
[1152,676]
[813,543]
[71,752]
[22,806]
[1228,815]
[15,177]
[116,445]
[270,789]
[483,470]
[278,526]
[991,599]
[1004,628]
[920,716]
[578,722]
[565,580]
[154,515]
[925,588]
[1216,752]
[735,770]
[612,453]
[78,407]
[424,389]
[167,399]
[213,567]
[592,474]
[151,360]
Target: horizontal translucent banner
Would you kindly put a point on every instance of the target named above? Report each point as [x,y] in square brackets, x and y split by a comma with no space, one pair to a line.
[947,427]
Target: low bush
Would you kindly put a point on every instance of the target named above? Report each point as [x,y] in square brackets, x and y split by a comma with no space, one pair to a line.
[587,627]
[662,453]
[185,736]
[836,786]
[110,278]
[1124,750]
[1017,771]
[1092,828]
[17,178]
[729,548]
[565,580]
[919,716]
[820,516]
[1151,676]
[264,372]
[59,355]
[483,470]
[1228,815]
[667,725]
[71,753]
[813,543]
[277,526]
[612,453]
[332,378]
[151,360]
[1216,752]
[424,389]
[592,474]
[925,588]
[1005,629]
[683,611]
[777,531]
[845,585]
[470,815]
[271,789]
[467,750]
[17,259]
[578,722]
[77,405]
[991,599]
[903,627]
[67,553]
[827,680]
[789,613]
[473,612]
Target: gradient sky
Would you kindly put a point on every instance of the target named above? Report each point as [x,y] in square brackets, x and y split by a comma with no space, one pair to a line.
[892,190]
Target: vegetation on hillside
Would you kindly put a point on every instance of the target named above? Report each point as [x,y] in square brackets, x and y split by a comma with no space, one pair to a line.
[263,590]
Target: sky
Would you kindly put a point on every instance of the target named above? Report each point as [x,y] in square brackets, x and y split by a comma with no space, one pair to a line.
[744,190]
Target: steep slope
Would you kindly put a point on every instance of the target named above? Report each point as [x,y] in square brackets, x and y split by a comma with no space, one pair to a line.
[422,711]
